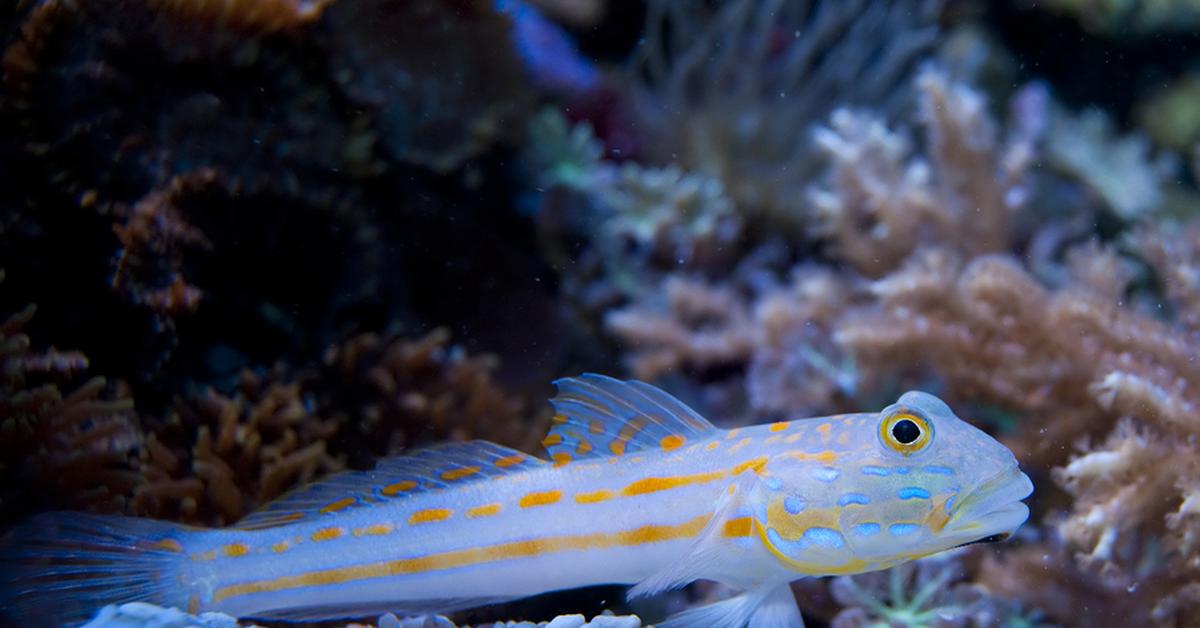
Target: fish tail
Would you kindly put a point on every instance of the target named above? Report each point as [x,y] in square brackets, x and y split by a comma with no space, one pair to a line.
[61,568]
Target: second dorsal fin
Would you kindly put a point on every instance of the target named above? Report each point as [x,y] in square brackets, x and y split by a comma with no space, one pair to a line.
[434,468]
[596,415]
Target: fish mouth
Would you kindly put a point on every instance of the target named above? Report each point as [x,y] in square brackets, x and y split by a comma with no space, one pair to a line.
[992,510]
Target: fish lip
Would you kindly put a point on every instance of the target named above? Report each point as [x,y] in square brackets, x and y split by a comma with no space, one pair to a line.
[992,507]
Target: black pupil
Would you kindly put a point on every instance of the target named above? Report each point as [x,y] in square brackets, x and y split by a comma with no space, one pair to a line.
[905,431]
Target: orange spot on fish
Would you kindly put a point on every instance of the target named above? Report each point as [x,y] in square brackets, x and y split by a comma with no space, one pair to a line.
[328,534]
[740,444]
[733,433]
[778,426]
[234,550]
[170,545]
[755,464]
[281,547]
[459,473]
[559,418]
[429,515]
[584,448]
[937,517]
[843,438]
[552,440]
[593,497]
[561,458]
[486,510]
[391,490]
[671,442]
[596,427]
[540,498]
[378,529]
[617,447]
[713,445]
[826,456]
[738,527]
[824,430]
[793,438]
[340,504]
[508,461]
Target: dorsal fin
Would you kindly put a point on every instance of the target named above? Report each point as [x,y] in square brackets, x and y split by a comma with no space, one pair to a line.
[597,415]
[428,469]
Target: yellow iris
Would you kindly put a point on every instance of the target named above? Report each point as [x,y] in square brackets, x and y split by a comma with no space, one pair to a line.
[905,438]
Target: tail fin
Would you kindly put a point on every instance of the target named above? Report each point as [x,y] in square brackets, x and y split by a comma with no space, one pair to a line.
[61,568]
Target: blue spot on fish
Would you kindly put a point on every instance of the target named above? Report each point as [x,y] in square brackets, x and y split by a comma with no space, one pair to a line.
[913,492]
[824,537]
[903,529]
[825,474]
[794,505]
[853,498]
[902,470]
[866,529]
[773,483]
[874,470]
[940,470]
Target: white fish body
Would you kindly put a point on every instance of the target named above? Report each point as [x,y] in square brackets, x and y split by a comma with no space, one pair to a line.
[640,490]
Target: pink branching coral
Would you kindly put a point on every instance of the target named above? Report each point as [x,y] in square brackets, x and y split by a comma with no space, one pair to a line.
[878,203]
[779,336]
[1075,359]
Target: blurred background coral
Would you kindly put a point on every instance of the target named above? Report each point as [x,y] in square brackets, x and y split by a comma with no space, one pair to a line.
[246,243]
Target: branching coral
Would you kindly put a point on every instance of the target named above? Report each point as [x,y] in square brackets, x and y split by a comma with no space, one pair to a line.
[734,88]
[391,393]
[643,222]
[1119,170]
[153,240]
[254,16]
[217,457]
[73,450]
[878,204]
[1075,359]
[779,335]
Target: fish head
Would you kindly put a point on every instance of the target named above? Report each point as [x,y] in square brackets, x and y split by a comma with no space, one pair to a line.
[912,480]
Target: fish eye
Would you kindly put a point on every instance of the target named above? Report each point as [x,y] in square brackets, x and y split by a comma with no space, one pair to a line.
[905,432]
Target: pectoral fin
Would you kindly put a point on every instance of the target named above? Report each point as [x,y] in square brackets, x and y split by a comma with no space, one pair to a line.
[765,606]
[712,546]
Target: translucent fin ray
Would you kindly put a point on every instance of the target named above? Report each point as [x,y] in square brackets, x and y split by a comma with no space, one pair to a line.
[60,568]
[429,469]
[597,415]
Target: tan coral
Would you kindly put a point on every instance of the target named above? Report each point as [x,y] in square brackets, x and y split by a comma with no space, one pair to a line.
[391,393]
[688,324]
[153,240]
[1074,360]
[879,202]
[74,450]
[219,456]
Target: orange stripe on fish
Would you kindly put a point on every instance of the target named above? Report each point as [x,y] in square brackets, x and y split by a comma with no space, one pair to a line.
[471,556]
